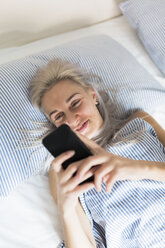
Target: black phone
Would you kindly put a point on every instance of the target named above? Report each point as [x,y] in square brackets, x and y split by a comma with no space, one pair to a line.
[63,139]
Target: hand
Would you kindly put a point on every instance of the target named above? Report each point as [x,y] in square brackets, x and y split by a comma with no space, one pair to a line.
[109,168]
[67,188]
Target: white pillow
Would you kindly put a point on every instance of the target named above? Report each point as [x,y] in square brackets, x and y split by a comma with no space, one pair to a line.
[148,18]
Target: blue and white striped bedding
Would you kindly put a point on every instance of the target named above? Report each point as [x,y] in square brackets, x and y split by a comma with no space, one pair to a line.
[133,213]
[121,73]
[148,18]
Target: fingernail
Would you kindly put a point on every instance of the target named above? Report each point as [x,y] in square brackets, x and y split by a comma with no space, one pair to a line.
[98,188]
[78,176]
[70,153]
[107,191]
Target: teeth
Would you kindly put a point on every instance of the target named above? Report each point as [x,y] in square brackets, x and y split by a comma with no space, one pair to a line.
[80,127]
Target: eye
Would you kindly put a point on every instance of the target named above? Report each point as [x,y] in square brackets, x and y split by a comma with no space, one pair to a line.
[58,117]
[75,103]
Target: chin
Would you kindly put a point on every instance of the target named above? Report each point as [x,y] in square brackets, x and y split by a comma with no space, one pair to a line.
[90,135]
[90,132]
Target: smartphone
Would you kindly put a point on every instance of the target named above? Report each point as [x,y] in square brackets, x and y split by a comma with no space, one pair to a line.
[63,139]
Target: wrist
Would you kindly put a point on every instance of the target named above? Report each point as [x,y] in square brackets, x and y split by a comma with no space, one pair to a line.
[152,170]
[68,219]
[67,213]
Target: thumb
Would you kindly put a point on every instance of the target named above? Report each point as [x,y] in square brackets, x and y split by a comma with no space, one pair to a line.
[58,161]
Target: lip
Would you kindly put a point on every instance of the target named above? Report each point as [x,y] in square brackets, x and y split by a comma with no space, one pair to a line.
[82,127]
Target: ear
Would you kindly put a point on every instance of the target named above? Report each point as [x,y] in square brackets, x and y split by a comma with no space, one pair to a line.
[93,94]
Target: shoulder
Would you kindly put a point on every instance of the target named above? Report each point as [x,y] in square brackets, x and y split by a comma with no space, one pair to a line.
[148,118]
[139,139]
[143,115]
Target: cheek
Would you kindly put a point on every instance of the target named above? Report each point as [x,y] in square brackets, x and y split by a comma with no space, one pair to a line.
[86,109]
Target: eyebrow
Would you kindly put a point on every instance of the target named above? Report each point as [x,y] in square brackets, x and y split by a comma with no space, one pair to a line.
[67,100]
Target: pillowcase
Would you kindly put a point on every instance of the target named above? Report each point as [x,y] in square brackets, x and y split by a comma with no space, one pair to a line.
[134,87]
[148,18]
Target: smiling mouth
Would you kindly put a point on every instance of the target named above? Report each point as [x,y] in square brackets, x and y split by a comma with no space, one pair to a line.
[82,127]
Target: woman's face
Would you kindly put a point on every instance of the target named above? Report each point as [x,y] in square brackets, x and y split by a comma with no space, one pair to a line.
[69,103]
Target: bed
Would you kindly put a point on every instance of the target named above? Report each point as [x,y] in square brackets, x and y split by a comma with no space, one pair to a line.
[28,213]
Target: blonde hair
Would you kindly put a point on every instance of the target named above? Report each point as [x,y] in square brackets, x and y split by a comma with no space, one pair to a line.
[58,70]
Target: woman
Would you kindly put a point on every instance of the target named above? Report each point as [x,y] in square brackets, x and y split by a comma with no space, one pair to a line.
[122,161]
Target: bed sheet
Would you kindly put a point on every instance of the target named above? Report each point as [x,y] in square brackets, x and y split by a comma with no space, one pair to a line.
[29,217]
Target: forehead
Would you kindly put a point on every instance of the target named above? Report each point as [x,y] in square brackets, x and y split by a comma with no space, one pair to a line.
[65,86]
[60,92]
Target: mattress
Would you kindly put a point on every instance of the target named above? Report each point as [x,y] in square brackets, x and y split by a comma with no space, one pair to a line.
[29,216]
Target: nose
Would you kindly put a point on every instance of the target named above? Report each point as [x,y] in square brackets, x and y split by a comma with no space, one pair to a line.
[71,119]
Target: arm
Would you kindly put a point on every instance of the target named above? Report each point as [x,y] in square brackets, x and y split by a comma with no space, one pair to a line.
[152,170]
[76,226]
[77,229]
[158,129]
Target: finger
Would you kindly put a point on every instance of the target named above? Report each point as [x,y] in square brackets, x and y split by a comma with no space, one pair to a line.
[102,172]
[105,178]
[59,160]
[111,180]
[74,168]
[83,188]
[74,182]
[69,172]
[88,163]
